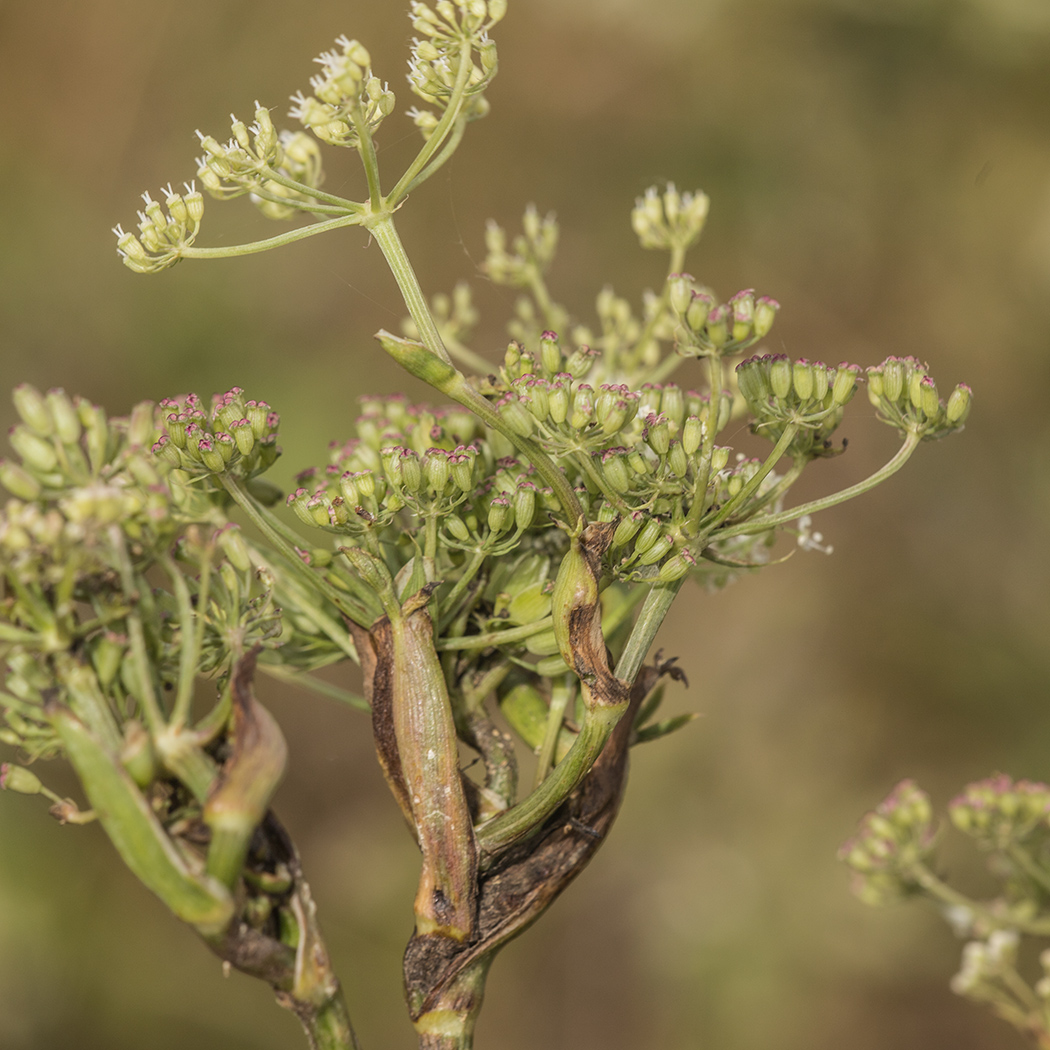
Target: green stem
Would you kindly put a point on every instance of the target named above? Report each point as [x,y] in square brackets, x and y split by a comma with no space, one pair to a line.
[677,262]
[328,1027]
[448,602]
[136,636]
[1029,866]
[313,580]
[394,252]
[447,150]
[310,191]
[911,443]
[483,641]
[752,486]
[441,130]
[449,1024]
[230,251]
[366,150]
[561,694]
[318,685]
[657,604]
[944,893]
[516,823]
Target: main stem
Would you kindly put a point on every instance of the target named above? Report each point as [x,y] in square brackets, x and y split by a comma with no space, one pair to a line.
[449,1023]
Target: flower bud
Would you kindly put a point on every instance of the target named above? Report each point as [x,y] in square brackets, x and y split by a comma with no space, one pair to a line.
[931,405]
[559,400]
[411,471]
[550,354]
[657,434]
[958,407]
[680,293]
[692,435]
[579,363]
[717,325]
[499,516]
[765,313]
[675,568]
[32,407]
[677,460]
[892,378]
[582,407]
[20,779]
[516,416]
[614,469]
[780,376]
[524,504]
[844,384]
[648,535]
[37,453]
[700,306]
[67,423]
[743,306]
[656,551]
[436,470]
[18,481]
[536,399]
[628,528]
[672,404]
[802,379]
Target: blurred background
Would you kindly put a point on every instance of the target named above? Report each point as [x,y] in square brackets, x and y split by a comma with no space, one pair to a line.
[882,167]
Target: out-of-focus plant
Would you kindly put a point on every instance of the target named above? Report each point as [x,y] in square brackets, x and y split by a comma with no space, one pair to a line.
[500,563]
[893,857]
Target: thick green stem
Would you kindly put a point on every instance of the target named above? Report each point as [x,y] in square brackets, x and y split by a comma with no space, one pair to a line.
[328,1027]
[449,1023]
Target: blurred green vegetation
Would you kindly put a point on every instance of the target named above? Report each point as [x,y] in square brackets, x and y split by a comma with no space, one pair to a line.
[880,166]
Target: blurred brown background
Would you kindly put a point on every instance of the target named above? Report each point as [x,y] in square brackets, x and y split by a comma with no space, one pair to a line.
[880,166]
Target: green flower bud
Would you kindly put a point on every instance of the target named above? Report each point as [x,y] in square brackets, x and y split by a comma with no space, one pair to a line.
[822,376]
[614,469]
[524,504]
[892,373]
[436,470]
[802,378]
[243,435]
[18,482]
[845,383]
[915,377]
[515,414]
[231,540]
[579,363]
[648,535]
[765,313]
[37,453]
[458,529]
[559,400]
[780,376]
[719,457]
[672,404]
[137,754]
[411,471]
[680,293]
[550,354]
[20,779]
[582,407]
[657,433]
[692,435]
[677,460]
[637,462]
[931,405]
[107,655]
[628,528]
[536,399]
[461,463]
[959,405]
[699,310]
[743,307]
[657,551]
[717,325]
[67,423]
[499,516]
[32,407]
[675,568]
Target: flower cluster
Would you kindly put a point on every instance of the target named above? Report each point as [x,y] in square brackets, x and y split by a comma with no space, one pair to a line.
[905,394]
[163,234]
[889,844]
[346,96]
[237,437]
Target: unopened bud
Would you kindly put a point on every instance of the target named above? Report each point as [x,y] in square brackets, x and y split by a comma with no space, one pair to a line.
[20,779]
[32,407]
[780,376]
[958,407]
